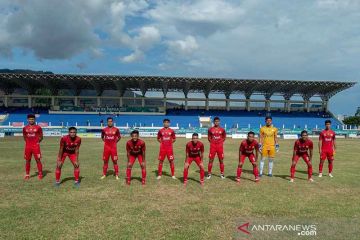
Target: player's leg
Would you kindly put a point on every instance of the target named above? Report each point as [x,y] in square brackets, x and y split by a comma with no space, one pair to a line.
[171,158]
[27,157]
[321,164]
[264,156]
[202,170]
[114,158]
[330,158]
[271,160]
[129,168]
[309,167]
[239,168]
[255,168]
[143,169]
[161,159]
[220,154]
[106,155]
[59,164]
[186,169]
[212,154]
[295,159]
[72,158]
[37,156]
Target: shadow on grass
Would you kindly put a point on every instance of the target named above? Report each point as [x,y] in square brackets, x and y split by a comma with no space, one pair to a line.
[45,172]
[64,180]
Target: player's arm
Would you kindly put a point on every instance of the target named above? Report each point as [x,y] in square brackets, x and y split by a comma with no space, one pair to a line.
[320,143]
[257,150]
[209,135]
[103,135]
[118,135]
[61,149]
[41,135]
[159,136]
[77,154]
[261,139]
[240,150]
[24,134]
[294,150]
[128,151]
[276,137]
[311,150]
[202,150]
[187,150]
[334,143]
[173,136]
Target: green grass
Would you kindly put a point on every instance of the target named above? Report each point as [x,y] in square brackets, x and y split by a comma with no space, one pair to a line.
[164,209]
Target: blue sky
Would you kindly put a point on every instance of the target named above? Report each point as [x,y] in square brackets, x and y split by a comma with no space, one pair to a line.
[274,39]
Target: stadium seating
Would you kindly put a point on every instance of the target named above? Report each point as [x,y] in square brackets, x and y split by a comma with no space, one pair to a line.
[184,119]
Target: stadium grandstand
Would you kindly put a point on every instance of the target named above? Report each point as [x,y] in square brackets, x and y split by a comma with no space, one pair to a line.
[62,100]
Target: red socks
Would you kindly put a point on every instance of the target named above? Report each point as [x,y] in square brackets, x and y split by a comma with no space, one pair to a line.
[27,167]
[309,172]
[331,166]
[202,174]
[105,167]
[143,174]
[116,169]
[255,171]
[76,174]
[321,166]
[186,171]
[222,167]
[39,167]
[57,174]
[172,168]
[160,168]
[238,172]
[210,167]
[292,171]
[128,175]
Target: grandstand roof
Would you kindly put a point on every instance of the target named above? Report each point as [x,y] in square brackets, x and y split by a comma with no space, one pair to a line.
[287,88]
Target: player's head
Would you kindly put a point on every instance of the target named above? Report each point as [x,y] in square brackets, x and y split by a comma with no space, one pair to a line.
[195,137]
[216,121]
[31,119]
[72,132]
[166,122]
[110,121]
[251,136]
[134,135]
[268,121]
[328,124]
[304,135]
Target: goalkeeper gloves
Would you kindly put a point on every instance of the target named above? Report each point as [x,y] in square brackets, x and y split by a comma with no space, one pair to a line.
[260,147]
[277,147]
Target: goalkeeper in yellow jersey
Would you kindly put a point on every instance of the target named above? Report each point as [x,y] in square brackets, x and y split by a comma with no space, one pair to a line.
[268,145]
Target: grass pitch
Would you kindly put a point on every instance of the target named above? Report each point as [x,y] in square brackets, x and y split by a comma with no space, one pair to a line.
[108,209]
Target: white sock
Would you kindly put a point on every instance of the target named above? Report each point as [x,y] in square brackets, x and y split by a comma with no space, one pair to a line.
[262,163]
[271,164]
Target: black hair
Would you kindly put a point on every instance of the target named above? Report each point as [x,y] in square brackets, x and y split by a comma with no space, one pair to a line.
[30,116]
[166,120]
[134,132]
[216,118]
[195,135]
[328,121]
[72,128]
[303,132]
[109,119]
[251,133]
[268,117]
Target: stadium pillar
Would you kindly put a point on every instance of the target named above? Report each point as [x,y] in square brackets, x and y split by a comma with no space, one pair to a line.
[267,105]
[307,106]
[98,100]
[29,102]
[247,104]
[207,104]
[143,102]
[164,101]
[227,104]
[76,101]
[6,98]
[120,102]
[52,101]
[186,103]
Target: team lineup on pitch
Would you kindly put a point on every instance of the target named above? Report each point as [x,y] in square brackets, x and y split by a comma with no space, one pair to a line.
[250,148]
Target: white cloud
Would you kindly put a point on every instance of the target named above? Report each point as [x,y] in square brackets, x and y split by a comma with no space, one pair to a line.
[183,47]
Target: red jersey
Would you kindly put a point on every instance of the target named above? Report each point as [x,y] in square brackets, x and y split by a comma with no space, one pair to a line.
[110,135]
[247,147]
[301,147]
[327,137]
[32,134]
[69,145]
[216,135]
[166,135]
[135,148]
[194,150]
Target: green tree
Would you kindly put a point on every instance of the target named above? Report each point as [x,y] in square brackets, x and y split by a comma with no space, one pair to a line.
[354,120]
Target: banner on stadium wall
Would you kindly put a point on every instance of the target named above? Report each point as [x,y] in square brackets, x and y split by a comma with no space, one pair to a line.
[2,135]
[89,135]
[148,134]
[353,136]
[52,133]
[290,136]
[18,134]
[17,124]
[189,135]
[239,135]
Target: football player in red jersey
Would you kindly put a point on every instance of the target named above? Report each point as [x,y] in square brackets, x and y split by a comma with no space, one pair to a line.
[166,137]
[110,136]
[246,150]
[69,147]
[327,147]
[216,137]
[194,152]
[303,148]
[135,148]
[33,135]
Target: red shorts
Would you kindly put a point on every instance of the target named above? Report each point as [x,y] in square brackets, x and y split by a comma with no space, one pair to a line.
[110,152]
[32,150]
[166,152]
[132,158]
[250,156]
[304,156]
[72,157]
[189,160]
[216,149]
[327,154]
